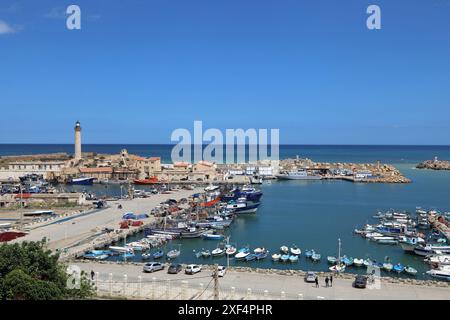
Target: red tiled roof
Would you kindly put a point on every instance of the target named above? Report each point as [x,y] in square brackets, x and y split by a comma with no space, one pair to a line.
[181,164]
[96,170]
[154,158]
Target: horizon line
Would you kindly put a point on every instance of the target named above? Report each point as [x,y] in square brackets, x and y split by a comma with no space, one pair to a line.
[281,144]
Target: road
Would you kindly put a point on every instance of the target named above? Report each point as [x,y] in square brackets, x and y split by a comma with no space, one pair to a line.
[275,284]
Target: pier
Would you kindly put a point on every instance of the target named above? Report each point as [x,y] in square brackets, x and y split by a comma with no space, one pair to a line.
[72,236]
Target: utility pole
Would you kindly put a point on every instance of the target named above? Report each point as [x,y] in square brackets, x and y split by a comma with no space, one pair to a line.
[216,282]
[21,206]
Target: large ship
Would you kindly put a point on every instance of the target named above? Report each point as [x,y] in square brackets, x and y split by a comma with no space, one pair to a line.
[151,180]
[298,175]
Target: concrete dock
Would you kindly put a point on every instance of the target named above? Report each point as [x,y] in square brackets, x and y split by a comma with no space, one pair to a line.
[84,231]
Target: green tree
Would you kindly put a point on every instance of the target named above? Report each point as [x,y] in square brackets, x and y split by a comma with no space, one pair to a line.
[30,271]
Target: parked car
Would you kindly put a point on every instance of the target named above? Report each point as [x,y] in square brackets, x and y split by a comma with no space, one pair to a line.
[193,269]
[153,266]
[360,281]
[310,276]
[174,268]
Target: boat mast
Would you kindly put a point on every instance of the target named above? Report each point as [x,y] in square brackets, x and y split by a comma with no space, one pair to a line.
[339,252]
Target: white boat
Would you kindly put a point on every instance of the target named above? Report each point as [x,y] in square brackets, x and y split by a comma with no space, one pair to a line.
[172,254]
[296,251]
[441,273]
[211,188]
[315,257]
[276,256]
[284,249]
[121,249]
[217,252]
[370,235]
[388,266]
[337,268]
[298,175]
[146,255]
[411,271]
[441,260]
[358,262]
[331,259]
[259,250]
[230,251]
[241,255]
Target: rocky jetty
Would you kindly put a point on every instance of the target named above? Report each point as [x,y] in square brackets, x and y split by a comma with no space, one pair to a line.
[434,165]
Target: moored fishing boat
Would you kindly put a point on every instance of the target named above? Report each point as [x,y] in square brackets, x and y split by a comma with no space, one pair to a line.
[242,254]
[309,253]
[146,255]
[410,270]
[315,257]
[284,257]
[250,257]
[212,236]
[158,254]
[399,268]
[82,181]
[347,261]
[295,250]
[388,266]
[331,259]
[206,253]
[172,254]
[261,255]
[431,249]
[438,259]
[293,258]
[368,263]
[217,252]
[259,250]
[358,262]
[284,249]
[276,256]
[440,273]
[230,251]
[337,268]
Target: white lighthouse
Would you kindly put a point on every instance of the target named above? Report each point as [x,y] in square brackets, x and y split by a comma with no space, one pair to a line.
[77,141]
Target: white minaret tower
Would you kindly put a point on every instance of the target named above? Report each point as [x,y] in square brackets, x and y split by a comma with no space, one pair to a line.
[77,141]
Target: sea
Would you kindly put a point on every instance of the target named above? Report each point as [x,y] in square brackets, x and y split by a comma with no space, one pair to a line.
[310,214]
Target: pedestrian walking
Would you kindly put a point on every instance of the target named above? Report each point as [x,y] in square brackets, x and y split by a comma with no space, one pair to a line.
[317,282]
[331,281]
[92,274]
[326,282]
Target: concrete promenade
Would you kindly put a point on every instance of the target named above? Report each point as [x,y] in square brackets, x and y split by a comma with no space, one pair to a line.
[243,285]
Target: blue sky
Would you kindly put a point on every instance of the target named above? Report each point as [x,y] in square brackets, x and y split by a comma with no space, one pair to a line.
[139,69]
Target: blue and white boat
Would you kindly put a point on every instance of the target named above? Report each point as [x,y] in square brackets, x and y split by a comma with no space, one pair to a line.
[242,253]
[249,193]
[213,236]
[250,257]
[243,206]
[309,253]
[158,254]
[399,268]
[82,181]
[293,258]
[284,257]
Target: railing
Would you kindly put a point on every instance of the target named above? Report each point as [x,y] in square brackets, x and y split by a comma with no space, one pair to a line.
[109,285]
